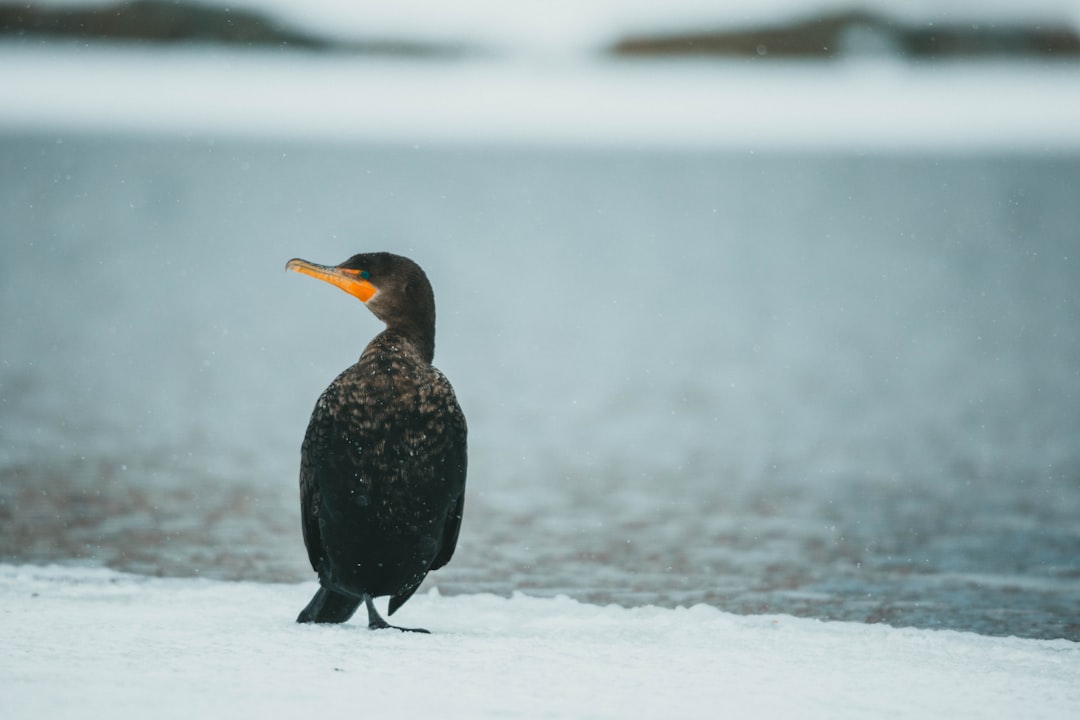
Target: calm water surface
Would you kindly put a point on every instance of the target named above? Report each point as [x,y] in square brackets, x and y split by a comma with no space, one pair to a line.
[838,387]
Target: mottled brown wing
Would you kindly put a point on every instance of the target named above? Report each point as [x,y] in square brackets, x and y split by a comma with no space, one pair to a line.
[452,467]
[450,535]
[314,441]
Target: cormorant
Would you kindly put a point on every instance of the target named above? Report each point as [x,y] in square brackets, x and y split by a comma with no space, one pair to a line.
[382,466]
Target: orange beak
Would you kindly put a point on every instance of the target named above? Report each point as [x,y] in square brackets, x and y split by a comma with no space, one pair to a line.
[346,279]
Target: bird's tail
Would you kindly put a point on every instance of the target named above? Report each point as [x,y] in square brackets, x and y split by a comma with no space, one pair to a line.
[329,606]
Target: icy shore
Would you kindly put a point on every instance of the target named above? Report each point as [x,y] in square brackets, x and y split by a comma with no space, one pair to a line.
[94,643]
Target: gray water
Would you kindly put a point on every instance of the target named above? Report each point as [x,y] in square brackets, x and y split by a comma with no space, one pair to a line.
[834,386]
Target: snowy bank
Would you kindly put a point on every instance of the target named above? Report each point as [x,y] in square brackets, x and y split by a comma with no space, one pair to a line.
[94,643]
[848,107]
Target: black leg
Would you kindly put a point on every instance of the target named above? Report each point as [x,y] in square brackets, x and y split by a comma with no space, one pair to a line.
[375,621]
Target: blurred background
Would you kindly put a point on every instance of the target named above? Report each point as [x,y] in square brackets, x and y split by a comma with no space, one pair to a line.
[769,305]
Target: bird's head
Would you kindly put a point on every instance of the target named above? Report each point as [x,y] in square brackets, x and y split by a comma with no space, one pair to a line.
[392,287]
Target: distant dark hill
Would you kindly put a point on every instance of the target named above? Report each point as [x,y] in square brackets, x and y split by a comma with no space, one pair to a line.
[162,21]
[854,33]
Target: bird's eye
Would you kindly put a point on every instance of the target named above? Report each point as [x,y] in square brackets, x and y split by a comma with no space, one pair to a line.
[364,274]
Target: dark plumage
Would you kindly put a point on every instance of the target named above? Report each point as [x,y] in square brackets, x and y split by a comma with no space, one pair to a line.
[382,468]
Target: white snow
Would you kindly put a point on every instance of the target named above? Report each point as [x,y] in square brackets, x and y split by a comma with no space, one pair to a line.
[544,76]
[95,643]
[857,106]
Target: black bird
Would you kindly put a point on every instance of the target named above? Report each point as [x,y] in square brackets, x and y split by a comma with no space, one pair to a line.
[382,467]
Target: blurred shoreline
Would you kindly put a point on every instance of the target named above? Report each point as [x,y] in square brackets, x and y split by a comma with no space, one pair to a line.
[766,29]
[858,106]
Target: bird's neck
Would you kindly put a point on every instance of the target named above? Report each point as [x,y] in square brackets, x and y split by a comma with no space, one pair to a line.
[396,338]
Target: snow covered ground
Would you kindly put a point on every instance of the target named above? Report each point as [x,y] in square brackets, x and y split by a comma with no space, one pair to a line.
[94,643]
[851,107]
